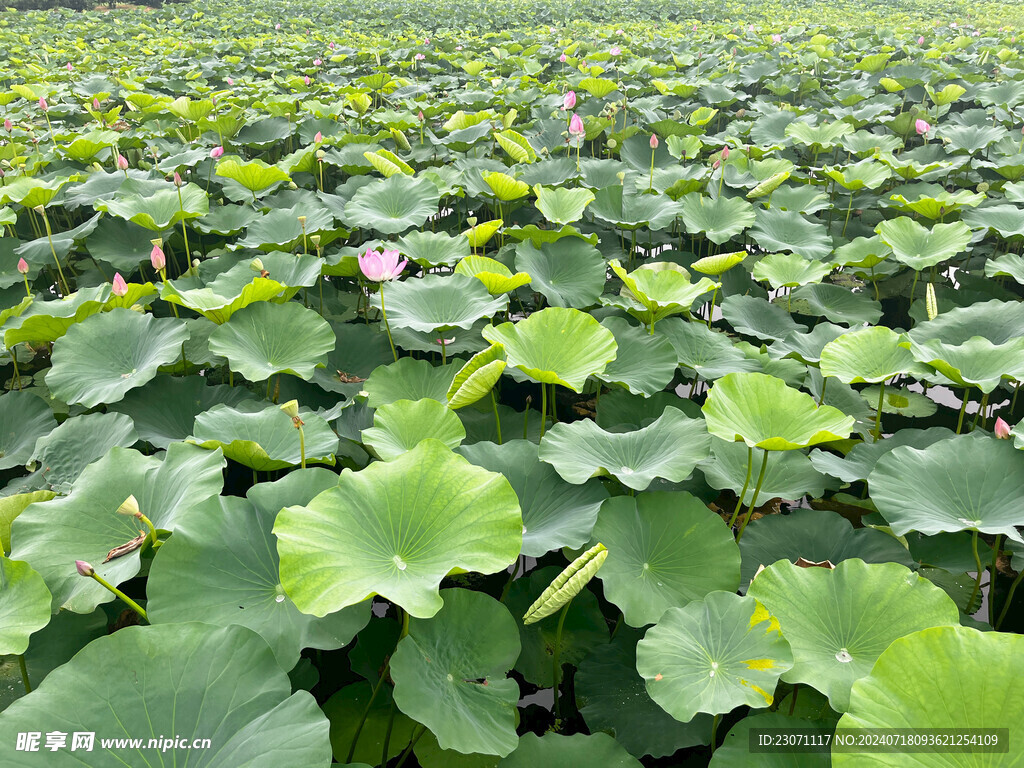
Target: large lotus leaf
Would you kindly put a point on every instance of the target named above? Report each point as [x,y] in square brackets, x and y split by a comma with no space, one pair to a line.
[612,697]
[644,364]
[222,297]
[90,527]
[556,514]
[569,272]
[265,440]
[977,362]
[968,482]
[191,680]
[764,413]
[789,270]
[164,410]
[1006,220]
[160,210]
[995,320]
[496,277]
[868,356]
[719,218]
[661,288]
[393,205]
[836,303]
[263,339]
[24,418]
[632,211]
[919,247]
[814,535]
[450,674]
[838,621]
[788,474]
[245,586]
[396,529]
[281,230]
[754,316]
[1009,265]
[102,358]
[899,400]
[858,463]
[402,425]
[253,175]
[664,551]
[707,353]
[24,605]
[438,302]
[916,683]
[12,506]
[49,320]
[713,655]
[562,205]
[779,230]
[346,710]
[735,750]
[553,750]
[668,448]
[409,379]
[556,346]
[78,442]
[430,249]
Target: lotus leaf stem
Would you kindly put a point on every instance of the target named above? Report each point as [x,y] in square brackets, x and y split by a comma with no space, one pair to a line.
[420,730]
[977,564]
[746,484]
[24,673]
[992,581]
[753,499]
[497,420]
[1009,598]
[556,656]
[878,411]
[366,711]
[963,409]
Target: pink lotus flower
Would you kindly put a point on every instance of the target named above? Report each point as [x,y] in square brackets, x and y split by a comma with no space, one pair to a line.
[776,39]
[569,101]
[229,81]
[619,32]
[70,68]
[120,286]
[576,127]
[1002,429]
[277,26]
[921,127]
[122,163]
[23,266]
[426,41]
[317,62]
[8,125]
[43,105]
[654,141]
[920,40]
[306,80]
[83,568]
[419,57]
[562,58]
[380,266]
[445,342]
[216,152]
[318,138]
[458,47]
[157,258]
[615,51]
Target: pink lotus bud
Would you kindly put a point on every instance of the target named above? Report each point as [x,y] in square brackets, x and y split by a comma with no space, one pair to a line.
[1002,429]
[420,115]
[654,141]
[317,62]
[458,47]
[70,68]
[177,179]
[43,105]
[619,32]
[23,266]
[694,27]
[381,266]
[715,165]
[83,568]
[725,153]
[319,137]
[445,342]
[331,46]
[96,104]
[122,163]
[306,80]
[120,286]
[569,101]
[615,51]
[776,39]
[921,127]
[426,41]
[216,152]
[583,65]
[920,40]
[562,58]
[576,127]
[277,26]
[229,81]
[157,258]
[8,125]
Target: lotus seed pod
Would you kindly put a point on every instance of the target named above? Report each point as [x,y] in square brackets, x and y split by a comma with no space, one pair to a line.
[130,507]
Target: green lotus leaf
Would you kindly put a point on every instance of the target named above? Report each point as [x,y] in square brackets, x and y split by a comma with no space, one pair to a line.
[632,211]
[818,137]
[450,674]
[396,529]
[1008,265]
[839,621]
[78,442]
[504,187]
[24,418]
[644,364]
[481,234]
[665,550]
[31,191]
[515,144]
[244,588]
[612,698]
[662,288]
[702,351]
[807,347]
[814,535]
[264,339]
[438,302]
[754,316]
[253,175]
[562,205]
[281,230]
[934,202]
[868,356]
[49,320]
[100,359]
[90,526]
[228,689]
[393,205]
[911,686]
[997,321]
[12,506]
[477,377]
[556,346]
[1005,220]
[346,710]
[24,605]
[900,400]
[668,448]
[735,751]
[788,474]
[713,655]
[789,270]
[965,483]
[719,263]
[553,750]
[401,426]
[836,303]
[222,297]
[568,272]
[430,249]
[388,163]
[719,218]
[161,210]
[867,174]
[919,247]
[787,230]
[977,362]
[496,277]
[764,413]
[409,379]
[265,440]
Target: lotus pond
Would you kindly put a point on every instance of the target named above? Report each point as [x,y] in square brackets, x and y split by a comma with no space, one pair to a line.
[552,384]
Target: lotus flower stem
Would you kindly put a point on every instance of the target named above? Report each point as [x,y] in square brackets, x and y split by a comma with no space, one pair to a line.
[878,411]
[711,306]
[981,409]
[746,484]
[556,666]
[753,499]
[24,673]
[387,327]
[980,572]
[387,736]
[992,581]
[1009,599]
[497,421]
[366,711]
[49,237]
[302,446]
[420,730]
[821,397]
[154,539]
[184,232]
[526,418]
[87,570]
[963,409]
